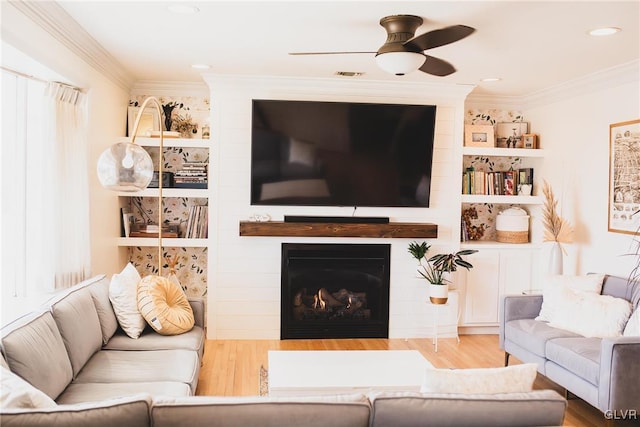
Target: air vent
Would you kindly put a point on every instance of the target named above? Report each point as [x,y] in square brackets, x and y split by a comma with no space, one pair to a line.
[349,73]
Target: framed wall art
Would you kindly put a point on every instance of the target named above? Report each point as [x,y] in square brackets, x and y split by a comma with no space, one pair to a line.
[530,140]
[149,121]
[624,169]
[479,136]
[509,135]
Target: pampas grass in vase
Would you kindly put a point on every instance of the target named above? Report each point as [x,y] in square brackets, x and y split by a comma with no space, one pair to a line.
[556,229]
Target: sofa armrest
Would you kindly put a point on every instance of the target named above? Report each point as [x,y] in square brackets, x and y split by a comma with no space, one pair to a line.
[514,307]
[619,387]
[197,305]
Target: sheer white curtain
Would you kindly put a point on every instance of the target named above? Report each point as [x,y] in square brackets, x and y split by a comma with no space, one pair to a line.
[69,195]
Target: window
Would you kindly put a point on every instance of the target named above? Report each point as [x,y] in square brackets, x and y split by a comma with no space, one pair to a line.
[44,223]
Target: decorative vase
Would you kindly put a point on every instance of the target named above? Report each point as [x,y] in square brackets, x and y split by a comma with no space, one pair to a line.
[438,293]
[555,259]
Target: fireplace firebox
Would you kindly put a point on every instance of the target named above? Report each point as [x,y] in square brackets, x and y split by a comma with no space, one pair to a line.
[334,291]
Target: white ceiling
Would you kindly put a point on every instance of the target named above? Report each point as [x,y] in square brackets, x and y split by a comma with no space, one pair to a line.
[532,46]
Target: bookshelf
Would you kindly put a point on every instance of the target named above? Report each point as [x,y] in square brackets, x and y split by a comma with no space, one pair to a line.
[488,158]
[183,200]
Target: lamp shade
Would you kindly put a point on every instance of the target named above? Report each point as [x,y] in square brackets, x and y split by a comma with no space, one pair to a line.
[400,63]
[125,167]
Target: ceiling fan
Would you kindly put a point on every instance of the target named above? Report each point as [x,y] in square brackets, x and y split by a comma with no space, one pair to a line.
[402,53]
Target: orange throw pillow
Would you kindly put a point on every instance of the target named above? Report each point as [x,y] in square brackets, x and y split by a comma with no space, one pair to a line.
[164,306]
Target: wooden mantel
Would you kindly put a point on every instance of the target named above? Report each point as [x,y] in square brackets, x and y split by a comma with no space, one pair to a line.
[334,229]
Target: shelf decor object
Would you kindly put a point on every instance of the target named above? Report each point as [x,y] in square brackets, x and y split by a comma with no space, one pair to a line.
[556,229]
[128,167]
[479,136]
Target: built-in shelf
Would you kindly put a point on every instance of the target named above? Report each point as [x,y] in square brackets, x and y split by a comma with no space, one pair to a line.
[167,192]
[170,142]
[492,244]
[166,242]
[315,229]
[504,200]
[502,152]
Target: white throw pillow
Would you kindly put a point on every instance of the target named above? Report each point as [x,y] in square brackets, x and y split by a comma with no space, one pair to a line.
[633,325]
[123,294]
[555,285]
[592,315]
[510,379]
[17,393]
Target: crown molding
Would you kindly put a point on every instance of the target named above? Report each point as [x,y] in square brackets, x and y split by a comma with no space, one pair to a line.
[146,87]
[604,79]
[610,77]
[52,18]
[332,87]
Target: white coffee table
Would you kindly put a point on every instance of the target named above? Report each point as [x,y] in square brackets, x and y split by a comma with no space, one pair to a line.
[299,373]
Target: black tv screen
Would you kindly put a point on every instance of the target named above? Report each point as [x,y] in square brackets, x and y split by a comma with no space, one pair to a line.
[341,154]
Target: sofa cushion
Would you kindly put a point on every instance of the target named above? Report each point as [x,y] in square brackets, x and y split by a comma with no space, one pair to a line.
[553,296]
[125,411]
[509,379]
[33,349]
[164,306]
[17,393]
[578,355]
[77,319]
[407,409]
[592,315]
[108,321]
[316,411]
[113,366]
[533,335]
[88,392]
[123,296]
[150,340]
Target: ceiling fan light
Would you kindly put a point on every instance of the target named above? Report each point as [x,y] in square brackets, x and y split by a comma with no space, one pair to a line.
[400,63]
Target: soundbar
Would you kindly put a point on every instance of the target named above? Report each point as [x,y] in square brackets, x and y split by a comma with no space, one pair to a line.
[338,219]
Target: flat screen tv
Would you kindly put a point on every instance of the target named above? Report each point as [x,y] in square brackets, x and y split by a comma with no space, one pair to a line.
[341,154]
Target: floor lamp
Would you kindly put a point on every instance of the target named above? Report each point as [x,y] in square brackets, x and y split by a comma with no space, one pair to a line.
[128,167]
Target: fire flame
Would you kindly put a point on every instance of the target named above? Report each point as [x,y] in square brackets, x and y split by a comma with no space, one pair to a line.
[318,302]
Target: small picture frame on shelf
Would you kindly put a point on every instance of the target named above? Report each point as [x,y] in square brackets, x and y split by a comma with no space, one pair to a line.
[149,121]
[509,135]
[530,140]
[479,136]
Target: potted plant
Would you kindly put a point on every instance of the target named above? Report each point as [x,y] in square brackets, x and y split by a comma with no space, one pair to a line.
[437,268]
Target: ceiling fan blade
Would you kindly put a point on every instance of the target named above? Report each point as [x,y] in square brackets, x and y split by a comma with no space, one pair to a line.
[437,67]
[440,37]
[326,53]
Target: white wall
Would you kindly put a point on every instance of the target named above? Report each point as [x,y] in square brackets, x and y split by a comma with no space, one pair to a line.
[107,109]
[244,281]
[574,130]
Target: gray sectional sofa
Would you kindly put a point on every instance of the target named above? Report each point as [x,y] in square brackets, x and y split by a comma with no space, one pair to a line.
[605,372]
[73,351]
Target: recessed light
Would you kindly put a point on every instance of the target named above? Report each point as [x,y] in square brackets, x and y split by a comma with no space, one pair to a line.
[604,31]
[184,9]
[349,73]
[491,79]
[201,66]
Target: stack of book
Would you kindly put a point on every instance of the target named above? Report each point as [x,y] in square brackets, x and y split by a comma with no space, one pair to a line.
[495,183]
[192,175]
[197,223]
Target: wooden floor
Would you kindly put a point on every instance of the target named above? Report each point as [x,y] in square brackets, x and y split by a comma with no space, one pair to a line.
[231,367]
